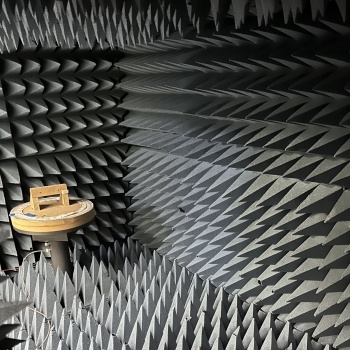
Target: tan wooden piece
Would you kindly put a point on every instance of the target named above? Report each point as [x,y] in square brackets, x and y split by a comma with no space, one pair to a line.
[64,225]
[51,215]
[36,193]
[53,208]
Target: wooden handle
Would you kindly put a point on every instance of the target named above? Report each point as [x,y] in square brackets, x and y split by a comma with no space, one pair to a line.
[36,193]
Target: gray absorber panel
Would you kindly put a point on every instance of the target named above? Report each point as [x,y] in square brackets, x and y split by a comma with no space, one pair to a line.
[125,297]
[239,165]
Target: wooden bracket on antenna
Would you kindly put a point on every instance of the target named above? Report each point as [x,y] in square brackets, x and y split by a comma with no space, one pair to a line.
[36,193]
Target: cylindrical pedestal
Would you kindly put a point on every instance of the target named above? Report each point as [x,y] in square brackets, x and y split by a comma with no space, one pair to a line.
[50,219]
[60,257]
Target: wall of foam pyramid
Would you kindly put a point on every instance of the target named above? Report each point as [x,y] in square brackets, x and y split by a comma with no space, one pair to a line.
[9,325]
[125,297]
[60,124]
[88,23]
[239,166]
[8,314]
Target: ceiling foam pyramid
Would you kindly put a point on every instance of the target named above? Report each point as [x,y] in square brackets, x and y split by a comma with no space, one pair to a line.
[117,23]
[125,297]
[239,165]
